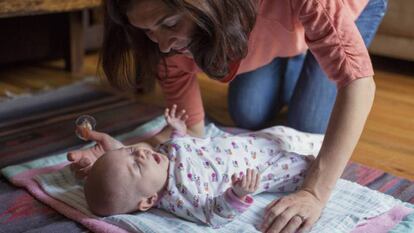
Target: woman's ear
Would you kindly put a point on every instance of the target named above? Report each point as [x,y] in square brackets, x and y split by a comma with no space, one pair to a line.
[146,203]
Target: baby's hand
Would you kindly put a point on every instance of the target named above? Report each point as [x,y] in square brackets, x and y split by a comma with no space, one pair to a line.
[245,184]
[177,122]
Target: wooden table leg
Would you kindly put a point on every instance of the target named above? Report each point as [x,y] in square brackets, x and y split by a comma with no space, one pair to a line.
[76,44]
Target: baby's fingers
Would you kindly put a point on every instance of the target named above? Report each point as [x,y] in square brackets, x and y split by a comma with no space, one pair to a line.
[173,110]
[244,183]
[181,114]
[248,178]
[82,173]
[81,163]
[167,113]
[255,180]
[234,179]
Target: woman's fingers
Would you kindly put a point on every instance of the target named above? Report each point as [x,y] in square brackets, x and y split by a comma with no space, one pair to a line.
[271,204]
[271,213]
[277,222]
[307,225]
[293,224]
[295,212]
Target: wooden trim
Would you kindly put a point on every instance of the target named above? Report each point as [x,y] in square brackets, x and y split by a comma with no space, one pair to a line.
[13,8]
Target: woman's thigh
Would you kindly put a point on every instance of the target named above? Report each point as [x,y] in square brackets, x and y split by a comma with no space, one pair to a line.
[370,19]
[314,96]
[254,97]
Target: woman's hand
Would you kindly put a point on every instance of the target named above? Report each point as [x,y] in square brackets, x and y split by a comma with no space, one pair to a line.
[296,212]
[247,184]
[82,160]
[176,122]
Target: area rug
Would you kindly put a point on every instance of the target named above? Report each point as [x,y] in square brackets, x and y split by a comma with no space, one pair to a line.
[31,126]
[45,130]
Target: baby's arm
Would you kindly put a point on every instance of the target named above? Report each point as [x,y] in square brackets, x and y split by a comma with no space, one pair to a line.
[245,184]
[222,209]
[176,126]
[176,121]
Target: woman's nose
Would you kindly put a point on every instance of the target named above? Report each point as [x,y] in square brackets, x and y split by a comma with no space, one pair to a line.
[165,44]
[164,40]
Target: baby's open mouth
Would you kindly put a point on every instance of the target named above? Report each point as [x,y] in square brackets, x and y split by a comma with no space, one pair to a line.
[156,158]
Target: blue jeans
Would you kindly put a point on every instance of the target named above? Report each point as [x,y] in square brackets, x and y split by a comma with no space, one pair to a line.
[256,97]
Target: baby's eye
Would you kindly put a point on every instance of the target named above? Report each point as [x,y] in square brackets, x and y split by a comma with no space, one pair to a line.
[137,165]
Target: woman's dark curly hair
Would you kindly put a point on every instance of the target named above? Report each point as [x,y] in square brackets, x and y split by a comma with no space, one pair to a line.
[129,59]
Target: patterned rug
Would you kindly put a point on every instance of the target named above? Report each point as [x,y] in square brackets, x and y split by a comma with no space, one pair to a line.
[25,135]
[40,124]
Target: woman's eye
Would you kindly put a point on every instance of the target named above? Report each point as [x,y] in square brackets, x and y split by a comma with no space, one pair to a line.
[170,25]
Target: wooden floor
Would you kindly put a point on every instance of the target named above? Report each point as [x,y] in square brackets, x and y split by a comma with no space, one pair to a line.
[387,142]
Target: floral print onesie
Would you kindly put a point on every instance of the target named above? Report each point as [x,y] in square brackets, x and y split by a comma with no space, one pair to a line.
[199,177]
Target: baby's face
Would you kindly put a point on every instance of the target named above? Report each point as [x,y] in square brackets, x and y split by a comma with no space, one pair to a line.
[145,170]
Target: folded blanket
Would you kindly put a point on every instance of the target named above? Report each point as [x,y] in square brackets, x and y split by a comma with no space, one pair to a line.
[350,204]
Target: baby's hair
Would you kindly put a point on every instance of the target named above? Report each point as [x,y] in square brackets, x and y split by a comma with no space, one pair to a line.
[107,198]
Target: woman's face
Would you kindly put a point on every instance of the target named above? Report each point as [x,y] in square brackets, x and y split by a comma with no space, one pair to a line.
[171,30]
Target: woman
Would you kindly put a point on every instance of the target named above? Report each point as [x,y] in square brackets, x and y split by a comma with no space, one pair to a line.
[261,48]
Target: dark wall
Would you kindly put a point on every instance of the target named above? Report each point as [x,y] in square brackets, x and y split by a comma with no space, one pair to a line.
[33,37]
[42,37]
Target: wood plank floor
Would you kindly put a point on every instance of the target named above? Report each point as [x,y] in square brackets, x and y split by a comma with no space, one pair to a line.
[387,142]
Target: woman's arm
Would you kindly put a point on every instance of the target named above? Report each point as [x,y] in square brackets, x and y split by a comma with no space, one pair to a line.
[351,109]
[302,209]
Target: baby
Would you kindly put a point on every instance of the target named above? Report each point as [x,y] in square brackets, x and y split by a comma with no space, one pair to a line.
[207,180]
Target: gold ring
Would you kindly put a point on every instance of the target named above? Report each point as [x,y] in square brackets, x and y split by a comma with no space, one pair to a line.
[301,217]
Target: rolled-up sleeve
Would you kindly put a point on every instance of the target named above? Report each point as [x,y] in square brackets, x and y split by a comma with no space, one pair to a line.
[334,39]
[180,86]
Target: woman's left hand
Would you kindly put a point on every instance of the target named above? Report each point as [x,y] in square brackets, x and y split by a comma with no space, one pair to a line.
[296,212]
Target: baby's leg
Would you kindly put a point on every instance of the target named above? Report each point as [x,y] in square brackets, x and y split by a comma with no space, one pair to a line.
[289,139]
[283,173]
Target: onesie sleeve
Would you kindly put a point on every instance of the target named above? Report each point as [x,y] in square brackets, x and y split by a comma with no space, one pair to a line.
[178,82]
[334,40]
[220,210]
